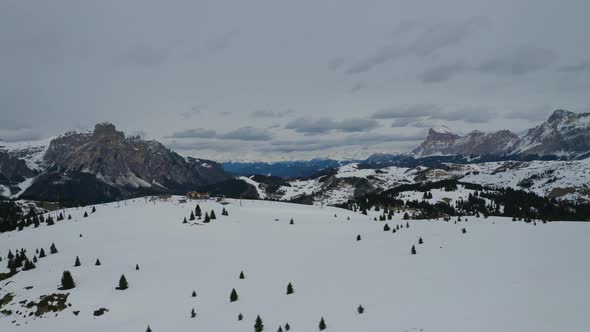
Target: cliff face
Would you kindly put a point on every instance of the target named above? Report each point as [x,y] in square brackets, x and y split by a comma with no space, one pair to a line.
[474,143]
[116,167]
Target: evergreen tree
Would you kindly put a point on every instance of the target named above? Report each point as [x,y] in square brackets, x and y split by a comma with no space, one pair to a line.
[290,289]
[77,263]
[122,283]
[136,267]
[184,220]
[67,282]
[386,228]
[198,211]
[93,209]
[97,263]
[233,297]
[242,276]
[407,225]
[10,255]
[393,230]
[53,249]
[287,327]
[212,215]
[193,313]
[358,237]
[192,217]
[413,251]
[41,253]
[194,294]
[207,219]
[148,329]
[34,259]
[280,329]
[258,326]
[85,214]
[28,265]
[360,309]
[240,316]
[291,222]
[463,231]
[322,324]
[420,241]
[69,217]
[406,216]
[50,221]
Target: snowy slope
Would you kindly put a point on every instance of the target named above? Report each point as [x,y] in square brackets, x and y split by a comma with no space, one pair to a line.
[500,276]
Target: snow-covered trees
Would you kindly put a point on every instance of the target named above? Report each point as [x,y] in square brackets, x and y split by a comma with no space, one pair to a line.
[122,283]
[67,281]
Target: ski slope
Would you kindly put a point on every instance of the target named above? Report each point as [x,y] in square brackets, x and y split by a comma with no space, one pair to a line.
[499,276]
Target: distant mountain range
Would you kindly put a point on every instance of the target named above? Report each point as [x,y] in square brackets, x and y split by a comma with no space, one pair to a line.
[283,169]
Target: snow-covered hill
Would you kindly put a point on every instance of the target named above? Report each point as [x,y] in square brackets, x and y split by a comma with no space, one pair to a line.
[499,276]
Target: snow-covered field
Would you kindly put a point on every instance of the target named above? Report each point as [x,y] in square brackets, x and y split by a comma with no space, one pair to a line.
[499,276]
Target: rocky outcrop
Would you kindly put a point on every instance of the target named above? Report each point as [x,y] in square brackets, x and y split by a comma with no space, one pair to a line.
[474,143]
[112,166]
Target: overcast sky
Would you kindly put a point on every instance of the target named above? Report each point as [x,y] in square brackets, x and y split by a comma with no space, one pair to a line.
[294,79]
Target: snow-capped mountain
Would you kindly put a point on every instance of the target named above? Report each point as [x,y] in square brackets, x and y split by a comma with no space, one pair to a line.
[103,165]
[563,134]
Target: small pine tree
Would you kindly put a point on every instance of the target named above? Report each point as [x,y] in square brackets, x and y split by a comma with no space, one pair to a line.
[242,276]
[85,214]
[69,217]
[291,222]
[192,217]
[148,329]
[67,282]
[233,297]
[287,327]
[413,251]
[34,259]
[198,211]
[193,313]
[463,231]
[207,218]
[420,241]
[393,230]
[280,329]
[212,215]
[194,294]
[97,263]
[406,216]
[93,209]
[258,325]
[240,316]
[290,289]
[77,262]
[322,324]
[41,253]
[122,283]
[136,267]
[358,237]
[386,228]
[53,249]
[360,309]
[407,225]
[184,221]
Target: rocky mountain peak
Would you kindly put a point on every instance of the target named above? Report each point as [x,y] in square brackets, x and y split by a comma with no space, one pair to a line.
[107,131]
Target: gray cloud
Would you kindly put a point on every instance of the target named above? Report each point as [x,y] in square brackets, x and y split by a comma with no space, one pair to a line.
[20,134]
[443,72]
[407,111]
[579,67]
[311,126]
[242,134]
[409,114]
[432,40]
[519,61]
[358,86]
[271,114]
[142,55]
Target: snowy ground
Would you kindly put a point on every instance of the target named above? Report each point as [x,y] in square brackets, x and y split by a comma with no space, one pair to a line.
[499,276]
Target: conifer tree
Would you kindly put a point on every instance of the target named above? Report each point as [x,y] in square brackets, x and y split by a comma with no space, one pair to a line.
[386,228]
[184,221]
[420,241]
[148,329]
[258,326]
[67,282]
[194,294]
[287,327]
[192,217]
[240,316]
[290,289]
[34,259]
[77,263]
[136,267]
[291,222]
[53,249]
[413,251]
[280,329]
[93,209]
[198,211]
[122,283]
[322,324]
[207,219]
[69,216]
[242,276]
[193,313]
[407,225]
[97,263]
[360,309]
[233,297]
[41,253]
[358,237]
[463,231]
[10,255]
[406,216]
[212,215]
[85,214]
[393,230]
[50,221]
